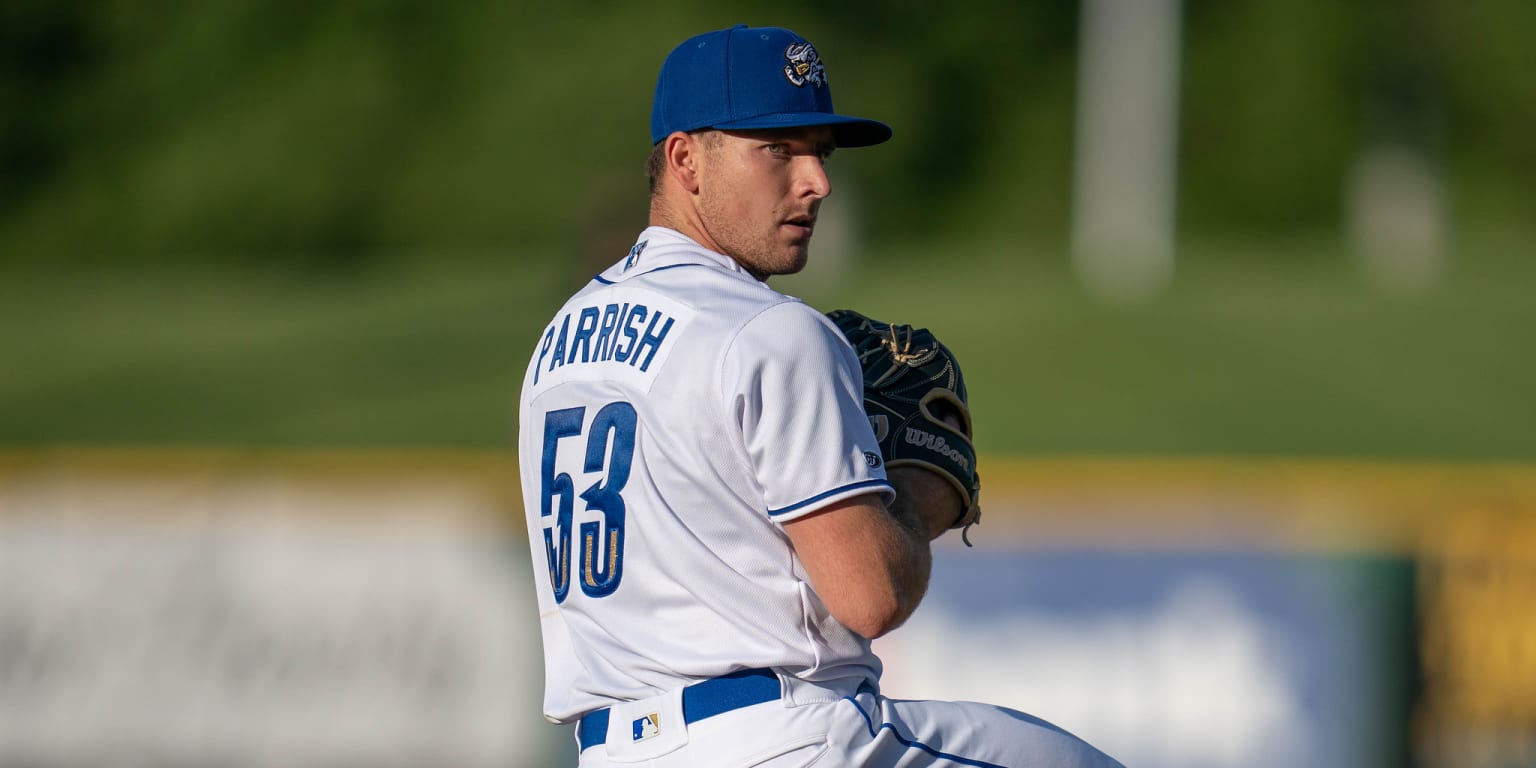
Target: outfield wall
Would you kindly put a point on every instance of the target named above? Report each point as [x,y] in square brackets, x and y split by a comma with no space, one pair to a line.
[314,609]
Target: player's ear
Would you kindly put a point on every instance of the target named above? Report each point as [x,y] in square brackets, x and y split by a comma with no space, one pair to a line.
[684,152]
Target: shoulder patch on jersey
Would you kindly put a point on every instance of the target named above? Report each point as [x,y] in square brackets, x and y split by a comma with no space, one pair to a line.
[634,254]
[871,459]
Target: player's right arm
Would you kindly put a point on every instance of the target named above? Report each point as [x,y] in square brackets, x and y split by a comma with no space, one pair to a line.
[792,385]
[869,561]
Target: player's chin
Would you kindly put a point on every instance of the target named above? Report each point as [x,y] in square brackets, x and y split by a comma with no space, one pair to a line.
[793,258]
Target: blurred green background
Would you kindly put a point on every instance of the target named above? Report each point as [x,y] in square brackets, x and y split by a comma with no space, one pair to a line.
[289,223]
[234,226]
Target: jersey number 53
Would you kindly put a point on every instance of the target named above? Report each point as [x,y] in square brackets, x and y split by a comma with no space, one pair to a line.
[613,427]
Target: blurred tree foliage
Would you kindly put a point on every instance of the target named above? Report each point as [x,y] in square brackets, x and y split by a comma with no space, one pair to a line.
[328,134]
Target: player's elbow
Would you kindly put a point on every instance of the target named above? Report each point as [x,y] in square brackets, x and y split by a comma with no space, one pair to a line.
[882,593]
[879,626]
[875,613]
[869,569]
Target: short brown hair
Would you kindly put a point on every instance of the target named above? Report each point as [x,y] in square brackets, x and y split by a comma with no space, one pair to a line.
[655,165]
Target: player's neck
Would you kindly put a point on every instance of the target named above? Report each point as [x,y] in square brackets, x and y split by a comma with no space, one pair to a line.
[684,221]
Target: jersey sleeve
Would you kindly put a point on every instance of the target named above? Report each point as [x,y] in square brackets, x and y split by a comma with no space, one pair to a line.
[793,386]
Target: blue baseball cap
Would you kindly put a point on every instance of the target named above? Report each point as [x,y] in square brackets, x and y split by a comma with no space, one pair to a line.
[751,77]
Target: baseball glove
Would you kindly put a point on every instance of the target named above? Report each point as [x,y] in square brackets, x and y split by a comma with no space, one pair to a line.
[911,382]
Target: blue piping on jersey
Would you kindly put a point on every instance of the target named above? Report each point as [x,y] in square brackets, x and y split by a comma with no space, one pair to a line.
[833,492]
[911,744]
[605,281]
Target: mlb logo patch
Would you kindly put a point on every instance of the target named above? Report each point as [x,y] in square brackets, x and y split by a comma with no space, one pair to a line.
[646,727]
[634,254]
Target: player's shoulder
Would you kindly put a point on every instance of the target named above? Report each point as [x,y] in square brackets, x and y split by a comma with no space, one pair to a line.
[788,316]
[790,330]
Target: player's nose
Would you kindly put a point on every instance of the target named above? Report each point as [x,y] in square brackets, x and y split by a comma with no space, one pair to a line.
[813,177]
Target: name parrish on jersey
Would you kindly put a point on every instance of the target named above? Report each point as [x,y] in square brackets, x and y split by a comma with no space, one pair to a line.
[631,334]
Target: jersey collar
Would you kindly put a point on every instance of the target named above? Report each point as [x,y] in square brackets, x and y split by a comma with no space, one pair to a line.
[663,248]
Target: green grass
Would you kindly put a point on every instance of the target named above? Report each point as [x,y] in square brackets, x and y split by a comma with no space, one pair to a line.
[1283,350]
[418,357]
[1280,350]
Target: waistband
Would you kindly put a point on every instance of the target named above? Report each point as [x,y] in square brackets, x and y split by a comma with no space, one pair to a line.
[714,696]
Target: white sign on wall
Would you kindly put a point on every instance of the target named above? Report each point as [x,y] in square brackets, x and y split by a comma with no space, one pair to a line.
[264,622]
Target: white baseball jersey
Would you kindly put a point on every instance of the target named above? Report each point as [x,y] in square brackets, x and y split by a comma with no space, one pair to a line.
[676,412]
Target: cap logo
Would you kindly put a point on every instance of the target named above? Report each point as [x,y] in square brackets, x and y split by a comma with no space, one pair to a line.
[804,65]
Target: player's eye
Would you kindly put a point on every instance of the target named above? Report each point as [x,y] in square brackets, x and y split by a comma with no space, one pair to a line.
[777,149]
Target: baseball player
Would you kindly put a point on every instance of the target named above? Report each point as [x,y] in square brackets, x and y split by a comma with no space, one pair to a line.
[729,493]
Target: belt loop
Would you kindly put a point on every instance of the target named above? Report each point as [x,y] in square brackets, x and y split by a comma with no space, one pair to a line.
[592,729]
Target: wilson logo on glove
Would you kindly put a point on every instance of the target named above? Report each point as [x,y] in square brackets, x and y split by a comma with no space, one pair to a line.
[915,398]
[937,444]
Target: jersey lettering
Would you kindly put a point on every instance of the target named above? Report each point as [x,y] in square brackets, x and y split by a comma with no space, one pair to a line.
[557,538]
[610,451]
[600,575]
[651,341]
[585,327]
[605,331]
[609,340]
[621,353]
[558,359]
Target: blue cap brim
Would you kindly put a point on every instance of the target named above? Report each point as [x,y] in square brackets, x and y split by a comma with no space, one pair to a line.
[846,131]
